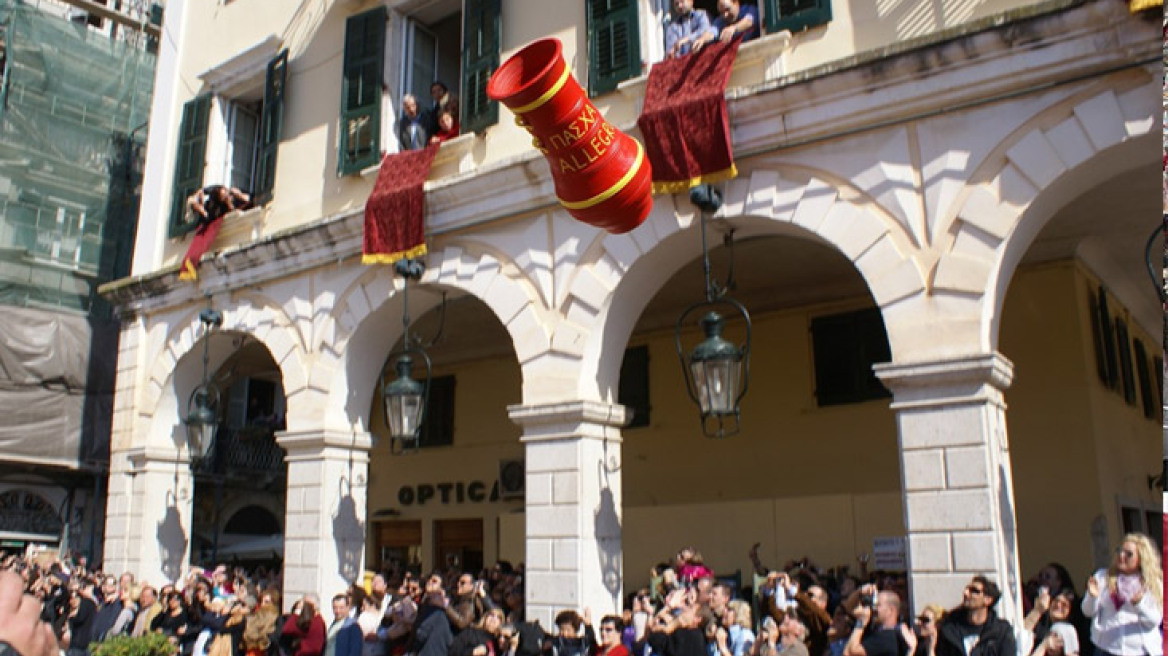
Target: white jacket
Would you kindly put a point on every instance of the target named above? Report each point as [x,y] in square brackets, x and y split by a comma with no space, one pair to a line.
[1130,630]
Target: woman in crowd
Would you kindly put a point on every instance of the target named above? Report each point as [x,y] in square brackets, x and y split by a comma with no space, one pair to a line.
[172,621]
[735,637]
[305,630]
[259,628]
[1125,601]
[926,628]
[482,639]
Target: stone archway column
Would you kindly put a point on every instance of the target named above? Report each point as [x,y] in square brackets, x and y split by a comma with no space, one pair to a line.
[573,505]
[325,512]
[148,514]
[956,476]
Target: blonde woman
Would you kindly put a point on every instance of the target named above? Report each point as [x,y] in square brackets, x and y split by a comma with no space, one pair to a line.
[735,638]
[1125,601]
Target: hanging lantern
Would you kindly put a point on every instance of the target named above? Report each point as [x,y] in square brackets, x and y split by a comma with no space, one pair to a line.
[404,400]
[202,420]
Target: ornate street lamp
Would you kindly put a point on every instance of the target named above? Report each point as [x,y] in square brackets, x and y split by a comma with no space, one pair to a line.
[404,399]
[716,371]
[202,420]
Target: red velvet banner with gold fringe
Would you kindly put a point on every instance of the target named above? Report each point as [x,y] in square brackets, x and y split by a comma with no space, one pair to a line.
[395,214]
[685,123]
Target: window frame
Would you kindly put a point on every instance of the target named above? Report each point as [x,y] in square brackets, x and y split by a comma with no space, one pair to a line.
[852,347]
[190,160]
[802,20]
[356,59]
[629,14]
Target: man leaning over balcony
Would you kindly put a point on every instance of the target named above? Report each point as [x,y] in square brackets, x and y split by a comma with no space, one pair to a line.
[688,30]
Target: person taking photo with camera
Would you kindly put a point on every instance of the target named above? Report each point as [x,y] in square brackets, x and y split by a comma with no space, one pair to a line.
[879,631]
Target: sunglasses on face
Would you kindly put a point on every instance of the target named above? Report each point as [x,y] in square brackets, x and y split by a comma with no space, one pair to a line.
[974,590]
[924,620]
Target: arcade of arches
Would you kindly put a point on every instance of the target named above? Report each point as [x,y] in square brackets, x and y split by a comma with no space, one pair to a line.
[979,260]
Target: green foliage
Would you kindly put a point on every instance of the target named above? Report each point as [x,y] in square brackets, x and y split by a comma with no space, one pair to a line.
[151,644]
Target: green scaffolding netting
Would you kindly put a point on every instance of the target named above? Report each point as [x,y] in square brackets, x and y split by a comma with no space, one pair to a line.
[73,109]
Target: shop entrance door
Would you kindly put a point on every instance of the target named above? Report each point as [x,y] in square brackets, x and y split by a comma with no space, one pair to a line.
[458,544]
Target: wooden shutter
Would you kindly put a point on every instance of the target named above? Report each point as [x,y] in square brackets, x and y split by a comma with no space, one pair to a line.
[361,91]
[796,15]
[614,45]
[271,122]
[188,166]
[482,33]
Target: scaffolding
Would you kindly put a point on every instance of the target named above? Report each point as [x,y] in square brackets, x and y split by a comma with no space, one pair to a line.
[73,110]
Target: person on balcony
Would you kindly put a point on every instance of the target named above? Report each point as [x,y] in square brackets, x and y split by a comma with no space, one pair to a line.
[735,18]
[688,30]
[413,130]
[209,205]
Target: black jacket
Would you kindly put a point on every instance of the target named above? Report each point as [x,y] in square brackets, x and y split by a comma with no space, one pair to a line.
[996,637]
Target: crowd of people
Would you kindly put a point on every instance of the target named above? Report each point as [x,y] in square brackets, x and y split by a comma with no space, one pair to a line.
[797,610]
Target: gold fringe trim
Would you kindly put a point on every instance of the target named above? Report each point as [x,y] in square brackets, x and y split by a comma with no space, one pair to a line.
[675,186]
[188,271]
[390,258]
[1137,6]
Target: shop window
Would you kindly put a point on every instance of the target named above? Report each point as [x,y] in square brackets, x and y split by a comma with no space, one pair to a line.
[230,140]
[1101,367]
[399,546]
[795,15]
[845,347]
[438,423]
[614,51]
[1146,394]
[1140,517]
[1125,361]
[634,385]
[1105,344]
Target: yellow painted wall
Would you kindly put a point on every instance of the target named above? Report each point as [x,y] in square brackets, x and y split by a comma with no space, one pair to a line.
[1076,446]
[820,482]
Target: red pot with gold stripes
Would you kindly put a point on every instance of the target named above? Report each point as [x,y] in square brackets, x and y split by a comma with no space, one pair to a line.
[601,174]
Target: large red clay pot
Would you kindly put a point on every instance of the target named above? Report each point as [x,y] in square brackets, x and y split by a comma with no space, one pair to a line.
[601,175]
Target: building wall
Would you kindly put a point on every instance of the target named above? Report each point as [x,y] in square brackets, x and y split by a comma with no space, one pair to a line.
[817,481]
[307,188]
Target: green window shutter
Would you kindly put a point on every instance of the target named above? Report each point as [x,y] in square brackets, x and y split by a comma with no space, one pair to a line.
[614,47]
[188,166]
[482,33]
[270,124]
[361,91]
[796,15]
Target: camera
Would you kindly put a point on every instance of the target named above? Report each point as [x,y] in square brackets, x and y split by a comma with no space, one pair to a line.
[868,600]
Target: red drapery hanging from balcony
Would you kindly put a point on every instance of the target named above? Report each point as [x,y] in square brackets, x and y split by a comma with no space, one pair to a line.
[684,121]
[395,221]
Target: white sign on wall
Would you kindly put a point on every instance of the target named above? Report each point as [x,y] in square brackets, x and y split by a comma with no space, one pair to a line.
[889,554]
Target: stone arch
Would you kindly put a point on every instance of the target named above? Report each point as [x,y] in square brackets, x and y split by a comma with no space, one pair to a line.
[628,269]
[259,512]
[1029,178]
[250,314]
[366,322]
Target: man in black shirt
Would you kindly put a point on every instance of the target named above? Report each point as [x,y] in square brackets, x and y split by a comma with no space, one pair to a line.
[886,636]
[973,629]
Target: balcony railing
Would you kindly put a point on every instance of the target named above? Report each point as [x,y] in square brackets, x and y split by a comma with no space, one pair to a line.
[250,452]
